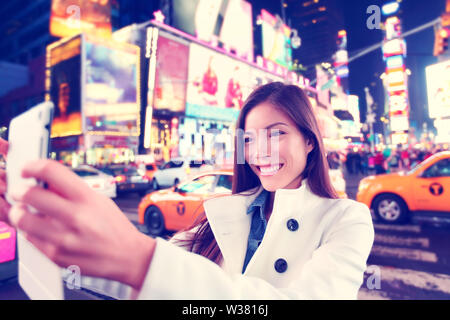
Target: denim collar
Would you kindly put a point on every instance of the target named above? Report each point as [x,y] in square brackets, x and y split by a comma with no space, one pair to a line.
[260,202]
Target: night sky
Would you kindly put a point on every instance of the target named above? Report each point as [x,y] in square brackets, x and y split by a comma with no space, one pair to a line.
[365,71]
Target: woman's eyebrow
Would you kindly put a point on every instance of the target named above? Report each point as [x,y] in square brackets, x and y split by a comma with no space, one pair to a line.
[267,127]
[275,124]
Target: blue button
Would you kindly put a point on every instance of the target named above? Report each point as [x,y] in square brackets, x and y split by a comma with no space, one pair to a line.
[292,224]
[281,265]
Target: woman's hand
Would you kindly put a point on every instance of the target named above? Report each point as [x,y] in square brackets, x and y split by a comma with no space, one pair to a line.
[77,226]
[4,206]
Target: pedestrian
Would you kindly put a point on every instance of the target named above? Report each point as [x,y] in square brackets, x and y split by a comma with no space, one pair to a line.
[393,161]
[414,158]
[364,162]
[282,234]
[405,159]
[379,163]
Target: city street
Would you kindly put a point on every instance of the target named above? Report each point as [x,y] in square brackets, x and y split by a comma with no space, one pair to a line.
[407,261]
[135,96]
[412,260]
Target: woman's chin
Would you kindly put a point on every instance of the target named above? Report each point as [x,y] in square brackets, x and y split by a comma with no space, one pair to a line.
[271,186]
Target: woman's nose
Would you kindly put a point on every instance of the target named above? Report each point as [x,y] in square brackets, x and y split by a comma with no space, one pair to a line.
[264,150]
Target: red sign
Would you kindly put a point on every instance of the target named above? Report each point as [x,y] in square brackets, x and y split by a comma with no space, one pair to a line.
[172,59]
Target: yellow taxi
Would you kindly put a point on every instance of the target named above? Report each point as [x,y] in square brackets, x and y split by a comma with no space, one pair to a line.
[178,207]
[422,193]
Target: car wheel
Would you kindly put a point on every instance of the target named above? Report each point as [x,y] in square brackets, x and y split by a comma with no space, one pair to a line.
[176,182]
[155,184]
[390,208]
[154,221]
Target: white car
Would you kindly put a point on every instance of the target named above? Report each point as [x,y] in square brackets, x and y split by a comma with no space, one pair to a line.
[97,180]
[176,170]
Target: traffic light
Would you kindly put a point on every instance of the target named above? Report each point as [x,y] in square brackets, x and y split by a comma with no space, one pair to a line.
[441,41]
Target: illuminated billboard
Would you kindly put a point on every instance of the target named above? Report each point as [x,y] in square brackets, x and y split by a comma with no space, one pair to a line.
[111,88]
[217,84]
[7,243]
[71,17]
[276,40]
[172,58]
[398,103]
[394,62]
[394,47]
[206,17]
[237,28]
[63,84]
[438,89]
[399,123]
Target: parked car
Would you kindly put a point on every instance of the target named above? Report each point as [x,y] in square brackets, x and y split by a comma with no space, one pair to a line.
[146,162]
[128,178]
[176,170]
[178,207]
[422,193]
[150,170]
[97,180]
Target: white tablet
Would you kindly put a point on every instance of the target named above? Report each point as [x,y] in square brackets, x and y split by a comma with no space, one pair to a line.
[29,139]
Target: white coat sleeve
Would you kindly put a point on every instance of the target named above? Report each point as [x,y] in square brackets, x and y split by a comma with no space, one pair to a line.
[335,270]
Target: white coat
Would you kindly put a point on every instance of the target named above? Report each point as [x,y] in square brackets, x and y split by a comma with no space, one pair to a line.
[326,256]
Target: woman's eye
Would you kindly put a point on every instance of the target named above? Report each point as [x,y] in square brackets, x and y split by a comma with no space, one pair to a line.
[276,133]
[248,139]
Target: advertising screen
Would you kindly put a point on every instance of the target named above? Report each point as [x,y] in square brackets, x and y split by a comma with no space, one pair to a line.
[64,86]
[394,62]
[70,17]
[216,84]
[237,28]
[398,103]
[438,89]
[206,17]
[172,58]
[111,103]
[276,40]
[393,47]
[399,123]
[7,243]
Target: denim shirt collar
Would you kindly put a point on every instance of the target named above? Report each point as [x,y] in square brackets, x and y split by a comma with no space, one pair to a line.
[260,202]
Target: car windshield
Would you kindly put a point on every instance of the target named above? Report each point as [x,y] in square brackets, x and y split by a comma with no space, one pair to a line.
[418,166]
[200,185]
[224,184]
[85,173]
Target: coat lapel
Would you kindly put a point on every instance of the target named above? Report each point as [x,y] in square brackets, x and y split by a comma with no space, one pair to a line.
[230,224]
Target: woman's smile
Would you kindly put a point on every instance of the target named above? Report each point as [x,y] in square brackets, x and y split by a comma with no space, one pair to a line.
[269,170]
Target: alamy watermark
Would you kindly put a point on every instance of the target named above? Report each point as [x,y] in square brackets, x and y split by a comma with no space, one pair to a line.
[74,20]
[374,20]
[72,277]
[252,147]
[373,281]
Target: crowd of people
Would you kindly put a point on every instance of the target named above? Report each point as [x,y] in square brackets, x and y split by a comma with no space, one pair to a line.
[387,160]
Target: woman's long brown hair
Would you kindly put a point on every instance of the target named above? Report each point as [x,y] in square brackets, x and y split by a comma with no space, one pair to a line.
[293,102]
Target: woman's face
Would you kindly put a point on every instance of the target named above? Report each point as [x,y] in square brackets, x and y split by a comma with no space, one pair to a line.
[274,148]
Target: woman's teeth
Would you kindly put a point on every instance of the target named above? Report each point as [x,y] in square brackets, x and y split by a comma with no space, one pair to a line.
[270,170]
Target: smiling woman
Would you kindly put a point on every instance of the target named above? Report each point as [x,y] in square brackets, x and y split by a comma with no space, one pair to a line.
[281,234]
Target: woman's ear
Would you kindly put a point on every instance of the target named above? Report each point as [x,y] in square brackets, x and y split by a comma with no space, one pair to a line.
[309,145]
